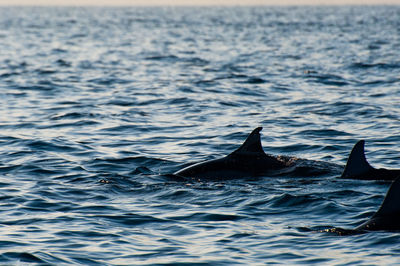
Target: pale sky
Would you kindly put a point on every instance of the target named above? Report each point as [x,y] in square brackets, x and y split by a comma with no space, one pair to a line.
[198,2]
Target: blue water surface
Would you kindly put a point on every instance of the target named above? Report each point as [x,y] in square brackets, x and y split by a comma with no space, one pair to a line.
[98,105]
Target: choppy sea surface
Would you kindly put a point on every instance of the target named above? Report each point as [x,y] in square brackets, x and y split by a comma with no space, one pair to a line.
[98,105]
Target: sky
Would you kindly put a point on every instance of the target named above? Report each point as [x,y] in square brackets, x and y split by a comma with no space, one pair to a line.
[197,2]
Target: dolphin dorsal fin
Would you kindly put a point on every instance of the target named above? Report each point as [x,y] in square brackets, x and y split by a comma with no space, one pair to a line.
[357,164]
[391,203]
[252,144]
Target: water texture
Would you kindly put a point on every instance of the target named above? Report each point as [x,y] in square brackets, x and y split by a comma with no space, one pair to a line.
[99,105]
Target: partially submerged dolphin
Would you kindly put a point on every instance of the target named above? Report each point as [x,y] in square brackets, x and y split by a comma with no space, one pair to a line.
[388,215]
[250,160]
[357,167]
[387,218]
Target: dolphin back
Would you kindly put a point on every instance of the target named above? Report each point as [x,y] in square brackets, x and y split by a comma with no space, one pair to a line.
[388,215]
[357,165]
[252,144]
[391,203]
[248,160]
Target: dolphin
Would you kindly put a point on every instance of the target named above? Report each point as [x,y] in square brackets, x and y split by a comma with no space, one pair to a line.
[357,167]
[388,215]
[387,218]
[250,160]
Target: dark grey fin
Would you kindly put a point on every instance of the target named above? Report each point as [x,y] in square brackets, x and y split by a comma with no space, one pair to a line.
[357,164]
[391,203]
[252,144]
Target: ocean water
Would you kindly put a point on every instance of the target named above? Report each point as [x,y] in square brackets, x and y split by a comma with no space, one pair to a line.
[99,105]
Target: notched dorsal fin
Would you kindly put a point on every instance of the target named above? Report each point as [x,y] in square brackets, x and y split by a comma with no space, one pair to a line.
[391,203]
[252,144]
[357,164]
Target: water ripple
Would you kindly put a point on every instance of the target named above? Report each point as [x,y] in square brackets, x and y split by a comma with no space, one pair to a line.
[100,105]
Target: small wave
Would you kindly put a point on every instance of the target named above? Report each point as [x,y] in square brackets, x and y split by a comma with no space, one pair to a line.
[37,87]
[23,257]
[170,58]
[22,221]
[361,65]
[142,170]
[327,79]
[55,145]
[41,205]
[192,61]
[132,128]
[254,80]
[37,170]
[63,63]
[379,81]
[131,219]
[322,133]
[73,115]
[208,217]
[9,74]
[59,51]
[80,123]
[130,165]
[120,102]
[46,71]
[288,200]
[340,108]
[108,81]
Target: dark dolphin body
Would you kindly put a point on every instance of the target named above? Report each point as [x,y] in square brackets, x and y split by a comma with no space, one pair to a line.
[250,160]
[357,167]
[387,218]
[388,215]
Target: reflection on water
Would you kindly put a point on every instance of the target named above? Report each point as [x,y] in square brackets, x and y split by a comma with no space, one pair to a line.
[98,105]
